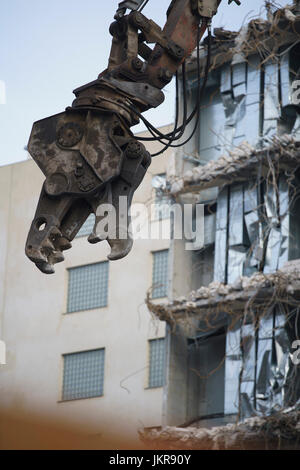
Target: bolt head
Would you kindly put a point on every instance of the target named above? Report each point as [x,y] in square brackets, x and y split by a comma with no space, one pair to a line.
[137,64]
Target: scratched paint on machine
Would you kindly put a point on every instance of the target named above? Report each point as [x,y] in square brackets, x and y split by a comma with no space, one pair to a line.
[52,147]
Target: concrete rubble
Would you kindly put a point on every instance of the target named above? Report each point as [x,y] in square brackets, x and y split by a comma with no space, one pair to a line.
[258,290]
[279,431]
[266,35]
[241,164]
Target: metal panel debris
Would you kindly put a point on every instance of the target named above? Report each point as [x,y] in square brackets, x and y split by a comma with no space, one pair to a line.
[271,98]
[221,237]
[242,164]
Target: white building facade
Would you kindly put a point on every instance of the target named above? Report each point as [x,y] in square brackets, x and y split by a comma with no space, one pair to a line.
[81,344]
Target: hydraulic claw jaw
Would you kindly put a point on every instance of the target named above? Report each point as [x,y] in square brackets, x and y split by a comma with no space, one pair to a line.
[92,164]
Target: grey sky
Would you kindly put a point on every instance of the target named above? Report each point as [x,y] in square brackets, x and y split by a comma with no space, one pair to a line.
[48,48]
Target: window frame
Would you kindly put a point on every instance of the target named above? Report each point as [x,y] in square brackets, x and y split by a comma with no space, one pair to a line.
[153,253]
[163,371]
[67,311]
[62,399]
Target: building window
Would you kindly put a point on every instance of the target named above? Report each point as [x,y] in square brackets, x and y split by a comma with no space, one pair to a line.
[88,287]
[87,227]
[83,374]
[162,200]
[160,274]
[157,361]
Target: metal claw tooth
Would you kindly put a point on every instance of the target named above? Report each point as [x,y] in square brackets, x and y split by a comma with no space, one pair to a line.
[46,268]
[55,231]
[48,244]
[35,255]
[64,244]
[56,257]
[119,248]
[94,238]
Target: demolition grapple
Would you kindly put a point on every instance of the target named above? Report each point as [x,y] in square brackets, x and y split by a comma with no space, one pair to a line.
[88,154]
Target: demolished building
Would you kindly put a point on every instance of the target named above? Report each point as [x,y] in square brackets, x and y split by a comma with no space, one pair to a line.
[233,305]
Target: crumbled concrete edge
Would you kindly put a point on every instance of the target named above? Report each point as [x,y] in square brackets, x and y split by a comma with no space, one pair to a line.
[259,289]
[241,164]
[278,29]
[279,431]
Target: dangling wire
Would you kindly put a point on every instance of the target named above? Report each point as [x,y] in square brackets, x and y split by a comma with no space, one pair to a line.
[166,136]
[168,139]
[200,89]
[171,136]
[179,131]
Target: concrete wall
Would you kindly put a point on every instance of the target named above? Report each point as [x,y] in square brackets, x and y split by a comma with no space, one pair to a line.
[37,331]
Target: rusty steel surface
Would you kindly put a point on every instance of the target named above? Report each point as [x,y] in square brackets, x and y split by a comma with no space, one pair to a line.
[88,154]
[88,160]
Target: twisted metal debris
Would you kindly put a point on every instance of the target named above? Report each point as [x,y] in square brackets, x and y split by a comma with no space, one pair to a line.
[280,431]
[259,290]
[241,164]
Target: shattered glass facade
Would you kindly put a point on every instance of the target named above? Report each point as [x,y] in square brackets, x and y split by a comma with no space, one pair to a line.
[264,379]
[258,229]
[241,365]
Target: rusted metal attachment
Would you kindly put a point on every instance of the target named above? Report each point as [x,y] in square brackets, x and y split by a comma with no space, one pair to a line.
[88,154]
[127,4]
[89,158]
[119,194]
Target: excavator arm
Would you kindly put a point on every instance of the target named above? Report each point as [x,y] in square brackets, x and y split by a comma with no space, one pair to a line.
[88,153]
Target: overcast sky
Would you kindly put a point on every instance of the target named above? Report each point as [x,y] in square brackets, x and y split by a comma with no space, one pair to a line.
[50,47]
